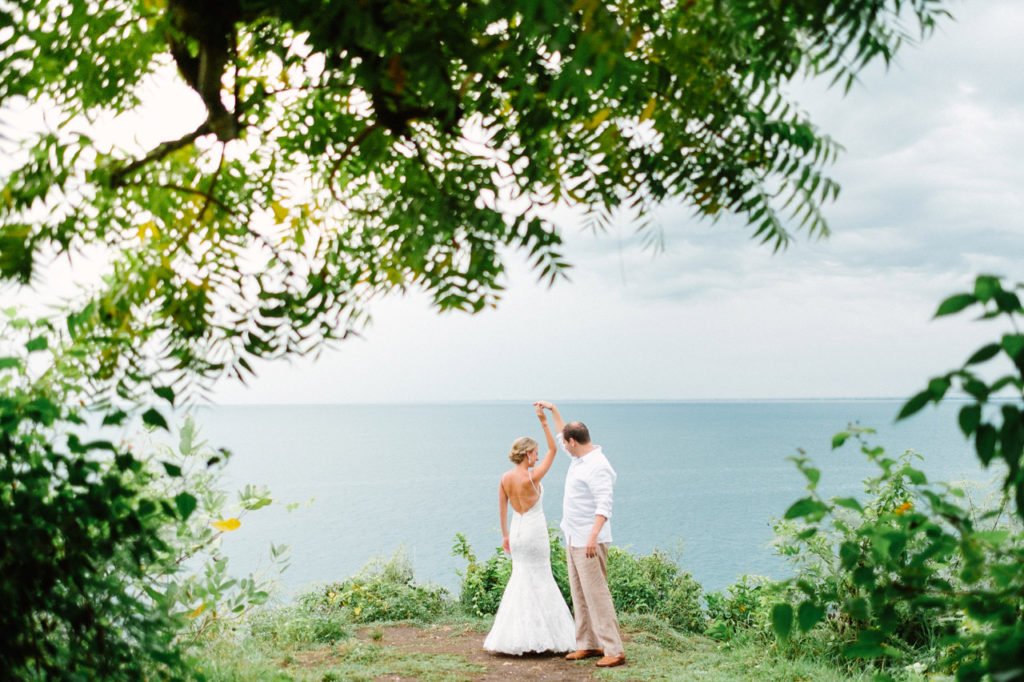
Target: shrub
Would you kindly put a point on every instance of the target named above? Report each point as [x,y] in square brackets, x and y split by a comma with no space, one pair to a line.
[191,579]
[743,607]
[655,584]
[79,528]
[651,584]
[909,574]
[382,591]
[482,584]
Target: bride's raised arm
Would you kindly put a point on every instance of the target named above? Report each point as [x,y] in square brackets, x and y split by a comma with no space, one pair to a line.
[542,467]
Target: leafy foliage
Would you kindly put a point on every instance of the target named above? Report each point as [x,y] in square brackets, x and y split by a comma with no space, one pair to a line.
[483,584]
[743,607]
[79,527]
[383,591]
[651,584]
[912,574]
[349,150]
[995,424]
[109,556]
[655,584]
[191,579]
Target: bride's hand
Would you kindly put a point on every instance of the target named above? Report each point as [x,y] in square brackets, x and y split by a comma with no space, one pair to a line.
[504,545]
[540,411]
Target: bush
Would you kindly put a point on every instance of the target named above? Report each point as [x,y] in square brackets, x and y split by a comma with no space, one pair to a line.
[79,527]
[382,591]
[482,584]
[910,575]
[655,584]
[191,579]
[298,624]
[743,607]
[651,584]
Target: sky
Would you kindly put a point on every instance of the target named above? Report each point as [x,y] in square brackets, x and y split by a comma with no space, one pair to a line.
[931,196]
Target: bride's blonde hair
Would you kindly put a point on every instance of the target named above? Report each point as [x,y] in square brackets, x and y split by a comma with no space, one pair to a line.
[521,448]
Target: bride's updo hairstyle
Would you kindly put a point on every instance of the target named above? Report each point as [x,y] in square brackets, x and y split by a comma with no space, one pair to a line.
[521,448]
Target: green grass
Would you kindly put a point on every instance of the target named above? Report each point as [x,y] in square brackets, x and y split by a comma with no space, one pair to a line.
[353,660]
[656,652]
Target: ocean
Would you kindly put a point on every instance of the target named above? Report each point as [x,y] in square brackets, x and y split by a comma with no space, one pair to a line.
[699,480]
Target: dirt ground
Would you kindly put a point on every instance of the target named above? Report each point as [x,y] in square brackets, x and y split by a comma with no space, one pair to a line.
[468,644]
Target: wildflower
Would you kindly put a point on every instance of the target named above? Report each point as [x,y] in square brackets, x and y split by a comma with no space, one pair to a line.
[903,508]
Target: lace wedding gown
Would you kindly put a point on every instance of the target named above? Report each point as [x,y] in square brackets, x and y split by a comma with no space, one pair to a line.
[532,615]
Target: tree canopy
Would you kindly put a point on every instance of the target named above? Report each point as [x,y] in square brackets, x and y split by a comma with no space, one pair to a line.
[349,149]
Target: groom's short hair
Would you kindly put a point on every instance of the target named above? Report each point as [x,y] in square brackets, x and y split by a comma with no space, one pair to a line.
[577,431]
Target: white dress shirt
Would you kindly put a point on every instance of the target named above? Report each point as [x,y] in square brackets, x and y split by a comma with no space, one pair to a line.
[588,492]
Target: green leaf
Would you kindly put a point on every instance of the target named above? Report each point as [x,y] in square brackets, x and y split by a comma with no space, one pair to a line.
[868,645]
[165,392]
[993,537]
[839,439]
[1013,344]
[9,362]
[849,503]
[782,620]
[985,443]
[916,476]
[915,404]
[806,507]
[955,304]
[983,354]
[938,387]
[36,344]
[153,418]
[808,614]
[969,418]
[985,287]
[172,469]
[1007,302]
[186,504]
[114,418]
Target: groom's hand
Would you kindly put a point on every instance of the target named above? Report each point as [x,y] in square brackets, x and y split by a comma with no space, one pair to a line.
[591,549]
[544,405]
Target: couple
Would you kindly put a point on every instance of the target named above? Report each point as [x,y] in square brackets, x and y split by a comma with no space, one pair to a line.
[533,615]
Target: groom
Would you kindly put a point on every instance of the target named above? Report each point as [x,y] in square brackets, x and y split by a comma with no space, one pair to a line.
[586,509]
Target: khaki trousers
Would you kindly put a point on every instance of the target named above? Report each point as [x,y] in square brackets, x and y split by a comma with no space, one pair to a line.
[596,624]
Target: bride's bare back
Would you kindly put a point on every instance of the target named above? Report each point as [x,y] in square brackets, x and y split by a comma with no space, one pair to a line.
[520,486]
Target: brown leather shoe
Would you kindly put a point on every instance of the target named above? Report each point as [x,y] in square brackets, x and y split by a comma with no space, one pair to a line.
[580,654]
[611,661]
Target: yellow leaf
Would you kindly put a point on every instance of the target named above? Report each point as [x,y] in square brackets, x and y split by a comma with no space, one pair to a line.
[227,524]
[200,609]
[280,212]
[357,610]
[599,118]
[649,109]
[148,228]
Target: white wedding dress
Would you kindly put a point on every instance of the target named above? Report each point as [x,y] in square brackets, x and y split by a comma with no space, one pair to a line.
[532,615]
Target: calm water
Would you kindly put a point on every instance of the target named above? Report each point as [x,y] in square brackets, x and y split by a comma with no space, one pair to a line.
[706,478]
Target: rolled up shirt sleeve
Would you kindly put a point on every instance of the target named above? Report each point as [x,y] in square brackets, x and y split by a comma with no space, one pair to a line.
[601,483]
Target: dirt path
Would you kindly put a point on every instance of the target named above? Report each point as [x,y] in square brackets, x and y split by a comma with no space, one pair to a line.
[466,642]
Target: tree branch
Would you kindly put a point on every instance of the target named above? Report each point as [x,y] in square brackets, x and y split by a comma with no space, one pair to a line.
[117,178]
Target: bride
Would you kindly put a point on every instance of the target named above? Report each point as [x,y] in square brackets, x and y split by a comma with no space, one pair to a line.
[532,615]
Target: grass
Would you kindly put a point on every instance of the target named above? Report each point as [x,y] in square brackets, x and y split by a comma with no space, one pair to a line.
[656,652]
[351,660]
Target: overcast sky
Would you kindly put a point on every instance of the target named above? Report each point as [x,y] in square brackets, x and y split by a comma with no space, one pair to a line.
[932,182]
